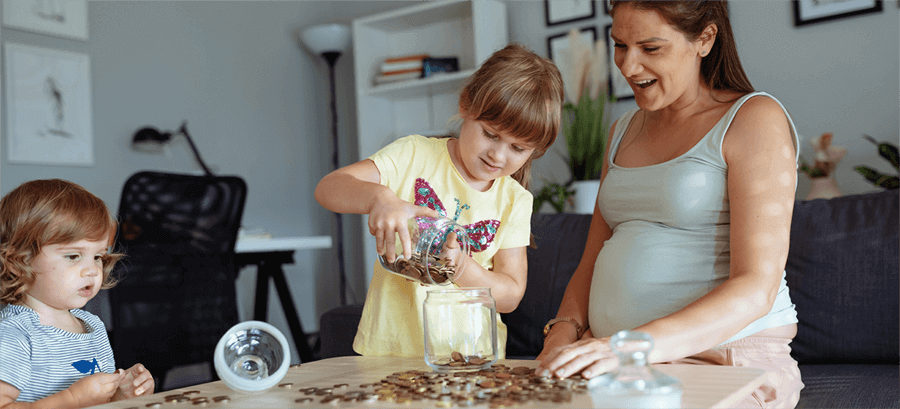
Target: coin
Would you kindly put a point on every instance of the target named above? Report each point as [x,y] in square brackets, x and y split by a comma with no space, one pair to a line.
[222,399]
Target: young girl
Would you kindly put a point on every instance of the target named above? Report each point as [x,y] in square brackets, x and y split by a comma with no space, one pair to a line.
[510,111]
[54,257]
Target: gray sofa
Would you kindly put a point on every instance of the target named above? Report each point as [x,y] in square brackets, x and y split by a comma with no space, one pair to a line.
[842,271]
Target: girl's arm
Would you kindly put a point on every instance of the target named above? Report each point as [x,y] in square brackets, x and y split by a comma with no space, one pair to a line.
[91,390]
[357,189]
[762,175]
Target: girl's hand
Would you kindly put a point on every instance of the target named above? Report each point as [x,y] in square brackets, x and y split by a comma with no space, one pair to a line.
[452,252]
[589,356]
[136,381]
[95,389]
[388,218]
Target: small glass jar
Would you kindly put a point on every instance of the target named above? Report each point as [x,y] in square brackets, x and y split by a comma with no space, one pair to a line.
[634,384]
[425,266]
[460,329]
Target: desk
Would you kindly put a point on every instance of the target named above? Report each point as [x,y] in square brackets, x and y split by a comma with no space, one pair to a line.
[704,386]
[269,255]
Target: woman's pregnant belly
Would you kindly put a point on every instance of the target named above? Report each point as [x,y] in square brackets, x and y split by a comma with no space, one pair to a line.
[649,270]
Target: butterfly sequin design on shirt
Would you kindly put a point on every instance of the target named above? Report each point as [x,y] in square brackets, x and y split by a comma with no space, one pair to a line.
[481,233]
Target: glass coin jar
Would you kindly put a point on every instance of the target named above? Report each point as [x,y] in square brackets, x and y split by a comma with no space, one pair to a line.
[252,356]
[460,329]
[634,384]
[425,265]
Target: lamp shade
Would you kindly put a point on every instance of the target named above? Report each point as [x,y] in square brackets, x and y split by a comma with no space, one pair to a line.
[325,38]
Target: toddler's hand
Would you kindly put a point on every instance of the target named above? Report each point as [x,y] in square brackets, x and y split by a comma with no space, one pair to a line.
[136,381]
[95,389]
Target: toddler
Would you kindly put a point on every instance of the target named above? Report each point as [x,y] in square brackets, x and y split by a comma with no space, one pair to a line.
[54,257]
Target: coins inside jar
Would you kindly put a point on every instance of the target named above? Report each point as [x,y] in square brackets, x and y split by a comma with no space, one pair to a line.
[426,264]
[438,269]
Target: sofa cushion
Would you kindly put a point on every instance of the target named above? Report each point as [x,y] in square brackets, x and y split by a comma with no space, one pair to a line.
[842,271]
[850,386]
[560,240]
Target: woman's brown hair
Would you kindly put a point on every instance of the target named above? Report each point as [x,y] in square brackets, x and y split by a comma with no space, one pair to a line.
[519,92]
[721,69]
[45,212]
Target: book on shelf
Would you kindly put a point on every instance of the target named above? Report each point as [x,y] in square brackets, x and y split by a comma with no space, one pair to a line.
[408,62]
[400,76]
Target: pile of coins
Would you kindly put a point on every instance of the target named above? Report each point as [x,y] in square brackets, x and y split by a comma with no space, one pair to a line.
[497,386]
[188,397]
[414,268]
[460,362]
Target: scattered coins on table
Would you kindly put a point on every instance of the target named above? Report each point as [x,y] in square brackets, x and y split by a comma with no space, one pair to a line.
[497,386]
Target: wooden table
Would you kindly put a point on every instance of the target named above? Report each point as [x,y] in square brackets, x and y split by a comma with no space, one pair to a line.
[704,386]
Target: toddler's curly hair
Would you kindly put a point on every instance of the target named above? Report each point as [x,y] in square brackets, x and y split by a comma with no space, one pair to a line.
[45,212]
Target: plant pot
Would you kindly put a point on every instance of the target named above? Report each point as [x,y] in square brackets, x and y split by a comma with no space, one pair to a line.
[823,188]
[585,196]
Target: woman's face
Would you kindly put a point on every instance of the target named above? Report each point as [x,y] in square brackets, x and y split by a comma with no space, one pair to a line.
[658,61]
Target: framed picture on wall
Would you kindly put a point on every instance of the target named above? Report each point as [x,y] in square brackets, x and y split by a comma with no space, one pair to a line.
[48,106]
[559,42]
[61,18]
[815,11]
[566,11]
[618,85]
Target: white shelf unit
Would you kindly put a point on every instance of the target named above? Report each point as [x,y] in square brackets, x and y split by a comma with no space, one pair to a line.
[468,30]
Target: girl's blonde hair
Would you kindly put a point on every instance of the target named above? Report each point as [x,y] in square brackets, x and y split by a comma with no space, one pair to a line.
[45,212]
[519,92]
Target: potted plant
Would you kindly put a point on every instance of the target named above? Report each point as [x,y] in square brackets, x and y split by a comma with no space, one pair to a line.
[585,119]
[585,123]
[889,152]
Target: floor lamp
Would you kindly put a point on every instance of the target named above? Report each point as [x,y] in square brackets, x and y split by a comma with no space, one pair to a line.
[329,41]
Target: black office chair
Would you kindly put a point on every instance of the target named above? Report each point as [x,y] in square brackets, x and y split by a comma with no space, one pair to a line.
[176,294]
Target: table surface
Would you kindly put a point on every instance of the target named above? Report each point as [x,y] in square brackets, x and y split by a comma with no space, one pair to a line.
[262,245]
[704,386]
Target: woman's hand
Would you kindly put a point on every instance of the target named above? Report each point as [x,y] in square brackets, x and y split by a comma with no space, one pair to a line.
[589,356]
[137,381]
[389,217]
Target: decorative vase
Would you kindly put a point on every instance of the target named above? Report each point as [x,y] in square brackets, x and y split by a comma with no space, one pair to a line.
[823,188]
[585,196]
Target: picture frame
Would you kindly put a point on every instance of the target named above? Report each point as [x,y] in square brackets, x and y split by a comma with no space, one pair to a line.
[816,11]
[559,12]
[618,84]
[558,42]
[60,18]
[48,106]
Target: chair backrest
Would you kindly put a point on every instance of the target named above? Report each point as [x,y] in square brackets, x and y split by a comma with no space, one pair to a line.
[175,296]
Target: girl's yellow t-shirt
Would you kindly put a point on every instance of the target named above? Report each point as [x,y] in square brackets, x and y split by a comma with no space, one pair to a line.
[419,170]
